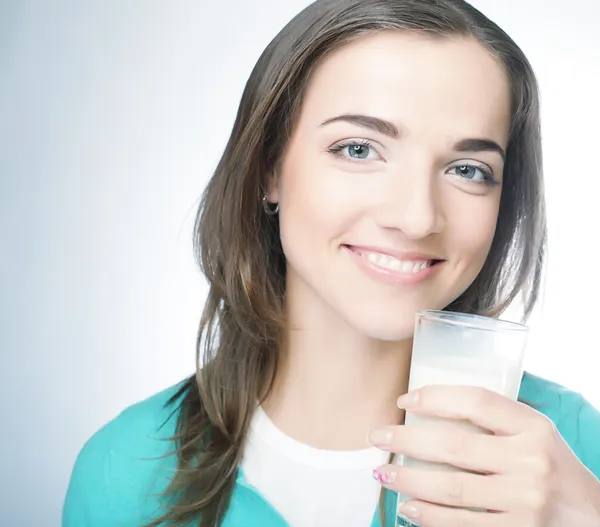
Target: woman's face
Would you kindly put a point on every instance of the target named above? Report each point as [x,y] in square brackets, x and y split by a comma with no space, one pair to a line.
[390,186]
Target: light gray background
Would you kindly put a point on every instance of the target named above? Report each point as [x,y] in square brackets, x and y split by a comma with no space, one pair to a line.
[112,116]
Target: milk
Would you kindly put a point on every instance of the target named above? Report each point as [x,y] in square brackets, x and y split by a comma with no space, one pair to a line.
[488,372]
[454,371]
[491,372]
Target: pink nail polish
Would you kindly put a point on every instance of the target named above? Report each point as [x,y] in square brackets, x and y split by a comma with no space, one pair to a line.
[383,477]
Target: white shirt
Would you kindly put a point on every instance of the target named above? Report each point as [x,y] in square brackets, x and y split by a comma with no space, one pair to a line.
[310,487]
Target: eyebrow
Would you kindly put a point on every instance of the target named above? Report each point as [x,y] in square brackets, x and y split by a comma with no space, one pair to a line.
[391,130]
[366,121]
[480,145]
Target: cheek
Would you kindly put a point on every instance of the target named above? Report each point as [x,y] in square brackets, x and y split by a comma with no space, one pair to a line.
[303,213]
[471,229]
[317,204]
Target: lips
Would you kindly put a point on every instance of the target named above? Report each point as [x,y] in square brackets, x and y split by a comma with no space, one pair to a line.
[394,266]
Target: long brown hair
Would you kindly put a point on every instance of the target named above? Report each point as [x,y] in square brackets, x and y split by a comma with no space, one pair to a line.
[238,248]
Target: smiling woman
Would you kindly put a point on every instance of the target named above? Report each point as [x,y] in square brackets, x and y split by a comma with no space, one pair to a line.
[389,178]
[385,159]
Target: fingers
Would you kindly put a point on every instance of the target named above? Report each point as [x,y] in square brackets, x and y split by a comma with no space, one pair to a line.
[431,515]
[484,408]
[452,445]
[450,488]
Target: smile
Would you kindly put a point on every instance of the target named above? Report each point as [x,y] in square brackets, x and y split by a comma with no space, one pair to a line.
[394,264]
[399,268]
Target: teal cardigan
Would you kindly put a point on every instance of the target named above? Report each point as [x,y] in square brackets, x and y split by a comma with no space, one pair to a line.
[120,472]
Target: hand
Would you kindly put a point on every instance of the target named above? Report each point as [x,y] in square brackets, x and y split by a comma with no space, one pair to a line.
[526,473]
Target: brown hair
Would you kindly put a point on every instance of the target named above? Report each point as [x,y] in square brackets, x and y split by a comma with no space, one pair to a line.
[238,247]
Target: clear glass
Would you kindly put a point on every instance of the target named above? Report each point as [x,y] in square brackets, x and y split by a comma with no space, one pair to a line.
[461,349]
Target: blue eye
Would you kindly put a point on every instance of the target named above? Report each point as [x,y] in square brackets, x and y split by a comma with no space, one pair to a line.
[358,151]
[354,150]
[475,174]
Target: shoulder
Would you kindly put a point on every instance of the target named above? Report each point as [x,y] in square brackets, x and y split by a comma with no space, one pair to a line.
[575,418]
[122,469]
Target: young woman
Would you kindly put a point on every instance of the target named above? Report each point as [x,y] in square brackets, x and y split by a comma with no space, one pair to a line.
[385,159]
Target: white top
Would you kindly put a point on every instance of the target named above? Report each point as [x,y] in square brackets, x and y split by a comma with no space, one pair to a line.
[308,486]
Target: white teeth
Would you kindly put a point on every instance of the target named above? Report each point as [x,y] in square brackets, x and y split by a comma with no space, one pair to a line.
[408,267]
[377,259]
[393,264]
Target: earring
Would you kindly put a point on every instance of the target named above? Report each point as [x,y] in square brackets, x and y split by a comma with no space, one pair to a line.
[268,206]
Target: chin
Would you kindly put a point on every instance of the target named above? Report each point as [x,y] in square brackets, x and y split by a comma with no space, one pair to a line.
[392,321]
[391,326]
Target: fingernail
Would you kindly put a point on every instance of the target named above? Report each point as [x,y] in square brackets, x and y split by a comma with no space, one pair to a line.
[384,476]
[408,399]
[381,437]
[409,510]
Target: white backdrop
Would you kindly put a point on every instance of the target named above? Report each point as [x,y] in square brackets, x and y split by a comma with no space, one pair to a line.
[112,116]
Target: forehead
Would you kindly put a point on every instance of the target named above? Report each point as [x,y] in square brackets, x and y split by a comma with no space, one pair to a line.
[451,86]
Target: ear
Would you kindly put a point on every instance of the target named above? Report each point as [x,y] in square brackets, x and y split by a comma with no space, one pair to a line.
[273,188]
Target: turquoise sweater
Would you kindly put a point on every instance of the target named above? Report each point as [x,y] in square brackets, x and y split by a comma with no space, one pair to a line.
[119,473]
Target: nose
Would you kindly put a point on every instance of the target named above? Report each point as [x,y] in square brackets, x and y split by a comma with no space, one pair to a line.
[412,204]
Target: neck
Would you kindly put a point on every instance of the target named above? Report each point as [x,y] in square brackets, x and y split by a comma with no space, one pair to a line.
[333,385]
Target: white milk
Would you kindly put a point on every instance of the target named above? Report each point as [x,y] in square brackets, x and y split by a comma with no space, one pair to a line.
[493,374]
[450,371]
[490,373]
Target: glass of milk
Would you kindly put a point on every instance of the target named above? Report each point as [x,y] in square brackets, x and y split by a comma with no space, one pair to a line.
[460,349]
